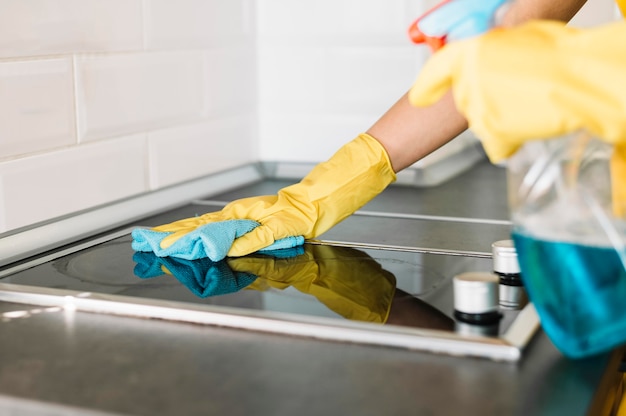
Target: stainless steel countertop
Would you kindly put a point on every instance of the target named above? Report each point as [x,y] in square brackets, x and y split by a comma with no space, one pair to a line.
[62,361]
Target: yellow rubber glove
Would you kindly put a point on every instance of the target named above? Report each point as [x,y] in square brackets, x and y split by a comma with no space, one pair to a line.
[348,281]
[332,191]
[539,80]
[622,6]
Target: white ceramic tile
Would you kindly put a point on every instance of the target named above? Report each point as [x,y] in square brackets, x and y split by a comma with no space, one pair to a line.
[308,138]
[43,27]
[187,152]
[368,79]
[231,81]
[595,13]
[414,8]
[291,77]
[197,23]
[335,80]
[122,94]
[45,186]
[36,106]
[334,21]
[329,69]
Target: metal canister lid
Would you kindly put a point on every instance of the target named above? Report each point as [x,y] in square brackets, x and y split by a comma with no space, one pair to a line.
[505,257]
[476,292]
[512,297]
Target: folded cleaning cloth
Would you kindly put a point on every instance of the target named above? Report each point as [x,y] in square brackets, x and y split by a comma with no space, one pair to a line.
[211,240]
[203,277]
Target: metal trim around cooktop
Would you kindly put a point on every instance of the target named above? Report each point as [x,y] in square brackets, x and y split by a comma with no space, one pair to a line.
[507,348]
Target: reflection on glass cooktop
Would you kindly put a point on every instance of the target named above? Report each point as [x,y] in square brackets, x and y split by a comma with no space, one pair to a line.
[397,288]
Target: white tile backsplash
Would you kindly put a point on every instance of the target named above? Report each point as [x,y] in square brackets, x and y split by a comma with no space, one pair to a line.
[48,185]
[365,22]
[104,99]
[168,91]
[36,106]
[289,77]
[122,94]
[335,80]
[328,70]
[46,27]
[83,83]
[183,153]
[198,23]
[595,13]
[308,137]
[231,81]
[361,80]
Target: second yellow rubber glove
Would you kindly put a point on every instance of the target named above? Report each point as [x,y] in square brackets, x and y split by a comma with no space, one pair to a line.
[332,191]
[539,80]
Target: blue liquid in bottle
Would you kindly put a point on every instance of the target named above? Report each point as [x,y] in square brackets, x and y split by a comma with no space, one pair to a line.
[578,291]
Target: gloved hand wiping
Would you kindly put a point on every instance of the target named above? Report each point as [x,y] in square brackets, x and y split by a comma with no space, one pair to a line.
[332,191]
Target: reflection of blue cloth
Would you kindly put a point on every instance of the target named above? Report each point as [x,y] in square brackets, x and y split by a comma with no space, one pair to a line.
[202,277]
[211,240]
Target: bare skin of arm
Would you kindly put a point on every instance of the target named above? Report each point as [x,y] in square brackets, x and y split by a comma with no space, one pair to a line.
[409,133]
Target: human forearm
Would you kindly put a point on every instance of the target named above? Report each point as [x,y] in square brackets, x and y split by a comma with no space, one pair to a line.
[523,10]
[409,133]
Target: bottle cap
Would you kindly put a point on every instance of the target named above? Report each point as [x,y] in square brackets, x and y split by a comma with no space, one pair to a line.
[475,292]
[505,257]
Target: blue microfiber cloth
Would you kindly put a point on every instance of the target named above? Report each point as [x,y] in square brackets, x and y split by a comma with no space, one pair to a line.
[212,240]
[202,277]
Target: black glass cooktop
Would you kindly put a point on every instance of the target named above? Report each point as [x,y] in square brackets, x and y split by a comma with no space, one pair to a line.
[401,289]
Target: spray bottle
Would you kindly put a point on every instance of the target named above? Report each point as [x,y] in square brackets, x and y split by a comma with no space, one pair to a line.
[453,20]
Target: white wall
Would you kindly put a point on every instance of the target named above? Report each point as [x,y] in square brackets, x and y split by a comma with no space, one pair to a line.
[105,99]
[328,69]
[596,12]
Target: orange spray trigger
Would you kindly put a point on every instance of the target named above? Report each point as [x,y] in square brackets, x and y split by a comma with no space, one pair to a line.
[452,20]
[418,37]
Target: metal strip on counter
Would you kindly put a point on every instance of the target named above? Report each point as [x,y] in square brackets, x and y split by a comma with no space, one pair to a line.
[498,349]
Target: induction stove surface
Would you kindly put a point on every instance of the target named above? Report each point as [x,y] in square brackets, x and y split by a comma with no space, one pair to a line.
[359,294]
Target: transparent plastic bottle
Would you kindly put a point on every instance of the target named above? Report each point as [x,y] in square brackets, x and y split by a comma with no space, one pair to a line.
[569,242]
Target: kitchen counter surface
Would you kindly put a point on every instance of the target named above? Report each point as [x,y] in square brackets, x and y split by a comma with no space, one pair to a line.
[145,367]
[61,361]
